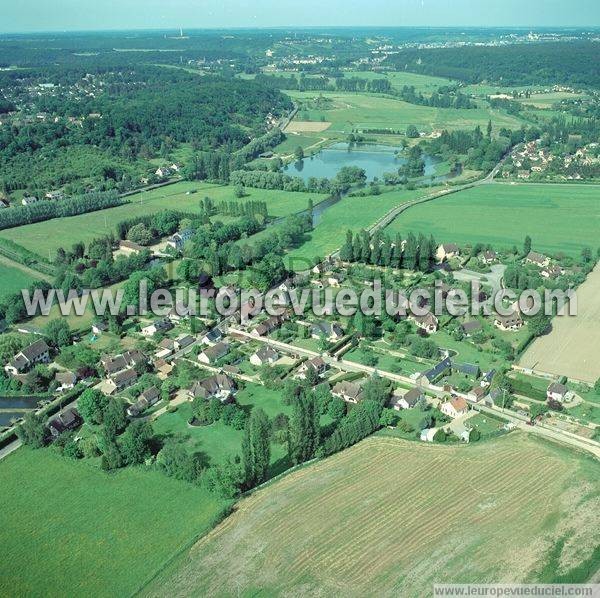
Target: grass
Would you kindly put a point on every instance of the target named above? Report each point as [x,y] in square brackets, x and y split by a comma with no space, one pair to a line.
[14,277]
[391,517]
[360,111]
[69,528]
[46,237]
[558,218]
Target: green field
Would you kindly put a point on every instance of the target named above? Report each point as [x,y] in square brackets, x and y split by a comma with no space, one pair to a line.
[359,111]
[558,218]
[14,277]
[352,213]
[46,237]
[389,517]
[70,529]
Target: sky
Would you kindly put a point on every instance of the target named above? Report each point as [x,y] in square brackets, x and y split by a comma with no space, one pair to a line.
[68,15]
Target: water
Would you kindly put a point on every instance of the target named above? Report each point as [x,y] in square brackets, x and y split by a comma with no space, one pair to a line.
[373,158]
[15,408]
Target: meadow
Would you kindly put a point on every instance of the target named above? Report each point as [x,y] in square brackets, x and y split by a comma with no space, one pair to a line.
[358,111]
[390,517]
[14,277]
[558,218]
[46,237]
[69,528]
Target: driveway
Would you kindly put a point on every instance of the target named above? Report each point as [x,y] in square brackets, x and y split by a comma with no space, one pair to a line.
[493,278]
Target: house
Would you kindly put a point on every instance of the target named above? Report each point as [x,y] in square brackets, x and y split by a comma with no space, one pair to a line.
[129,247]
[447,251]
[477,393]
[163,172]
[402,399]
[455,407]
[471,327]
[69,420]
[179,312]
[428,322]
[537,259]
[179,239]
[149,397]
[183,341]
[99,327]
[468,369]
[29,200]
[66,381]
[437,371]
[219,386]
[24,360]
[556,392]
[335,280]
[265,355]
[212,354]
[157,327]
[124,379]
[552,272]
[212,337]
[488,257]
[487,378]
[118,363]
[513,321]
[428,434]
[315,364]
[347,391]
[54,195]
[332,331]
[270,324]
[3,203]
[163,368]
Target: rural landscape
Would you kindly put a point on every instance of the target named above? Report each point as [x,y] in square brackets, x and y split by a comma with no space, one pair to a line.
[187,405]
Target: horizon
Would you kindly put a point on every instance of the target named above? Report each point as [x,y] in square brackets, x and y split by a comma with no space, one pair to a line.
[70,16]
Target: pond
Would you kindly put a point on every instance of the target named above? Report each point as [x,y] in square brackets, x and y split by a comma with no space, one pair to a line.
[373,158]
[12,408]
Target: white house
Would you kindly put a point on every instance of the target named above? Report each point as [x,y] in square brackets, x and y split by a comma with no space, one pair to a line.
[264,355]
[556,392]
[447,251]
[455,407]
[212,354]
[179,239]
[402,399]
[24,360]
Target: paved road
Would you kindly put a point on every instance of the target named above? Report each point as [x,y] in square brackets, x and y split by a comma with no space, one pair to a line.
[493,278]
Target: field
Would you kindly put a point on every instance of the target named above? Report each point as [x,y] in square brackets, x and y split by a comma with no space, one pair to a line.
[558,218]
[68,528]
[306,126]
[359,111]
[568,350]
[46,237]
[352,213]
[14,276]
[390,517]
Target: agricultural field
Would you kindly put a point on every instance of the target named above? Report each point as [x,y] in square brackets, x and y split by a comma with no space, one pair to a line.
[358,111]
[391,517]
[92,533]
[503,215]
[14,276]
[46,237]
[568,350]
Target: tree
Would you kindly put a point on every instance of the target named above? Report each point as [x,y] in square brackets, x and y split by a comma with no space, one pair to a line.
[527,245]
[91,405]
[33,431]
[474,435]
[597,387]
[256,448]
[175,461]
[538,324]
[58,332]
[304,432]
[225,480]
[10,345]
[135,443]
[412,132]
[114,417]
[299,153]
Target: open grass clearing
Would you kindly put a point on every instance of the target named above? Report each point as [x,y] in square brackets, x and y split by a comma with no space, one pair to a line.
[558,218]
[390,517]
[92,533]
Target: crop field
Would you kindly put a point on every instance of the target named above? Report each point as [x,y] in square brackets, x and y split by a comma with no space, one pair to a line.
[359,111]
[568,350]
[425,84]
[46,237]
[68,528]
[352,213]
[558,218]
[389,517]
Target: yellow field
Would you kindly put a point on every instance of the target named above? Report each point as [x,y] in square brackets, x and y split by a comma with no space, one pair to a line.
[570,348]
[306,126]
[390,517]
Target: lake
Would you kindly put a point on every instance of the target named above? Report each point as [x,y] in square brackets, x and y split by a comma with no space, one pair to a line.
[374,159]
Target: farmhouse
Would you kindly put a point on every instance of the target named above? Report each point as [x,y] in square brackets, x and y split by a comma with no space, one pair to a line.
[332,331]
[347,391]
[537,259]
[315,364]
[402,399]
[455,407]
[212,354]
[264,355]
[179,239]
[24,360]
[220,387]
[556,392]
[447,251]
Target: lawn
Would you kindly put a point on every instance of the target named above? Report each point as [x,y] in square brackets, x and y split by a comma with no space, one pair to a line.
[349,112]
[389,517]
[503,215]
[71,529]
[14,277]
[46,237]
[352,213]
